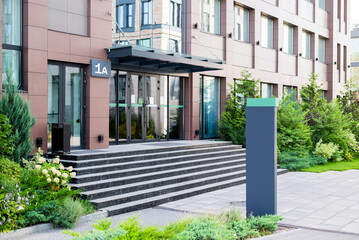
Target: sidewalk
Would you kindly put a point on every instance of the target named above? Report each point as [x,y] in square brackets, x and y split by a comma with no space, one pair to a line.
[324,201]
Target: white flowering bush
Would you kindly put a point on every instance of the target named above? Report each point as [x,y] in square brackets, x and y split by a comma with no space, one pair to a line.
[54,173]
[327,150]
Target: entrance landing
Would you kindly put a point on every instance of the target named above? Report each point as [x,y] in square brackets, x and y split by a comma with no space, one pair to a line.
[147,146]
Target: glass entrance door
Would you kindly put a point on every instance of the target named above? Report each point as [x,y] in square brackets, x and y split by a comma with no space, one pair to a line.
[65,100]
[145,107]
[210,104]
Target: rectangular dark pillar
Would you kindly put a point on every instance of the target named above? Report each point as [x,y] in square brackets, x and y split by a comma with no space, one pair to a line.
[261,163]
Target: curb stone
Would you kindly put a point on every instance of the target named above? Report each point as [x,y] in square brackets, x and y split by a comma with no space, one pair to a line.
[19,233]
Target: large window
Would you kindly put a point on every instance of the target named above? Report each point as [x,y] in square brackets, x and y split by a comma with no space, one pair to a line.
[173,45]
[210,16]
[175,14]
[241,24]
[306,44]
[144,42]
[321,50]
[267,32]
[11,41]
[146,12]
[126,15]
[267,90]
[291,91]
[322,4]
[288,39]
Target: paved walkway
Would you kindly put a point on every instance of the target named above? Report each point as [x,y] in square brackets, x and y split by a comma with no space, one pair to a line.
[326,202]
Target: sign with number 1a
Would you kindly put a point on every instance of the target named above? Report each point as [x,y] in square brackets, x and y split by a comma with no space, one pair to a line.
[100,68]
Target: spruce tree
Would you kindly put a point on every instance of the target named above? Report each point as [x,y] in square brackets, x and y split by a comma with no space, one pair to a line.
[13,106]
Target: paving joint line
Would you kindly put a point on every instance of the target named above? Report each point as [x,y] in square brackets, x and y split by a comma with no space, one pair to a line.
[316,229]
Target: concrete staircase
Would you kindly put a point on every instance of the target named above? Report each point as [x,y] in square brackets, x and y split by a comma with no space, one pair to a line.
[126,181]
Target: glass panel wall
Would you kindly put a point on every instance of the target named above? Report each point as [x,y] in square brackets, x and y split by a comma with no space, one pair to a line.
[112,108]
[176,111]
[136,95]
[151,107]
[163,107]
[53,78]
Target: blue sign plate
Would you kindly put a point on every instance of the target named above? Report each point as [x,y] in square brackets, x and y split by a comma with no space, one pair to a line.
[100,68]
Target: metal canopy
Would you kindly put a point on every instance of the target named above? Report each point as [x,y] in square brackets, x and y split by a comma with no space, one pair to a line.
[134,56]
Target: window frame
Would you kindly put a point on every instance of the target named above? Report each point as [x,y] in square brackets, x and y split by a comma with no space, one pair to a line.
[149,13]
[270,34]
[322,4]
[175,14]
[243,34]
[18,48]
[288,43]
[124,16]
[307,51]
[212,14]
[138,41]
[321,49]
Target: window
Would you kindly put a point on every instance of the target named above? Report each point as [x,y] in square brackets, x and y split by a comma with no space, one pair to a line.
[321,50]
[11,41]
[306,44]
[267,32]
[144,42]
[322,4]
[210,16]
[288,39]
[173,45]
[241,24]
[146,12]
[290,90]
[176,14]
[125,15]
[267,90]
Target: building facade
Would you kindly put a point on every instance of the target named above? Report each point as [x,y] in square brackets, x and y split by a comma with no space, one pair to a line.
[171,61]
[354,54]
[47,46]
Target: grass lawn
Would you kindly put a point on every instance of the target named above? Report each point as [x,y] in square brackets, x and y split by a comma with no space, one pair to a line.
[335,166]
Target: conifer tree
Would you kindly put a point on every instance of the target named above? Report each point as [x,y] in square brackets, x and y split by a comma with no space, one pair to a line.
[13,106]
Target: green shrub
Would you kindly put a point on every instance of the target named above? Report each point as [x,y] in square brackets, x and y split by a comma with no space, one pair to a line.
[349,138]
[233,121]
[9,169]
[6,137]
[326,150]
[295,161]
[293,132]
[71,210]
[203,228]
[13,106]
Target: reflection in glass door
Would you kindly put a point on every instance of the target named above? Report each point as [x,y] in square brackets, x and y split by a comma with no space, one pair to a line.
[136,99]
[65,100]
[152,107]
[209,102]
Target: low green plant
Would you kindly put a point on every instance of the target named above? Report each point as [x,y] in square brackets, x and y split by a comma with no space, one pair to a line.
[295,161]
[343,147]
[9,169]
[6,136]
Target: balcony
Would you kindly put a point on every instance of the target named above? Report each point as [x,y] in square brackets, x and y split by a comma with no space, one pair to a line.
[307,10]
[322,18]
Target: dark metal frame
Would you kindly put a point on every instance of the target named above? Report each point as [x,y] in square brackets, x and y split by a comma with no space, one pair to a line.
[62,72]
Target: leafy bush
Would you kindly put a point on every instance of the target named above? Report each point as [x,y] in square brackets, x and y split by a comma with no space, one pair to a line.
[6,137]
[233,120]
[293,132]
[296,161]
[343,147]
[349,138]
[204,228]
[13,106]
[326,150]
[9,169]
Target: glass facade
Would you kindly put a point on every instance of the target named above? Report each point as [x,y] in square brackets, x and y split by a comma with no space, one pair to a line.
[267,32]
[11,41]
[241,24]
[211,15]
[209,106]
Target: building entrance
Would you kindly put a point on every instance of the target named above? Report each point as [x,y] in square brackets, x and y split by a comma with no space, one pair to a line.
[142,109]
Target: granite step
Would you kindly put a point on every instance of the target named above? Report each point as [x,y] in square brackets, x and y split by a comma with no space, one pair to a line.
[202,164]
[137,186]
[153,162]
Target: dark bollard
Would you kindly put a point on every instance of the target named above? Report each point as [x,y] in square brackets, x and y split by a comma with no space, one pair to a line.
[261,163]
